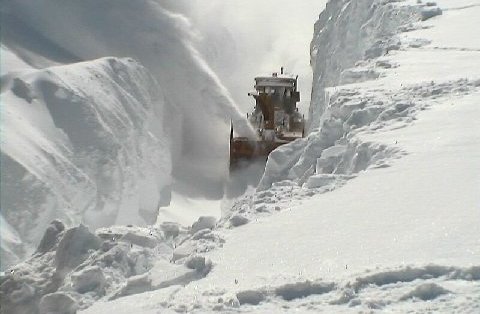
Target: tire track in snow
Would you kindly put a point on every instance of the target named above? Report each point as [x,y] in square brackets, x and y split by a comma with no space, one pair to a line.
[463,7]
[373,290]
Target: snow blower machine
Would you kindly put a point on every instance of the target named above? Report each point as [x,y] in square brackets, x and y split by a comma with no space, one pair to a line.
[275,118]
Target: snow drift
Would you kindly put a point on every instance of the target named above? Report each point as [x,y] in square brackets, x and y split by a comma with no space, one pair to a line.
[81,142]
[98,141]
[346,33]
[161,41]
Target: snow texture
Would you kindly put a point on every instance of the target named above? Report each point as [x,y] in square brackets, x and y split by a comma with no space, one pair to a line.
[88,133]
[73,268]
[424,292]
[81,143]
[163,42]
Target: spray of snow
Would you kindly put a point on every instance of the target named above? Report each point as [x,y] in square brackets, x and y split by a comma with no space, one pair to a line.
[242,39]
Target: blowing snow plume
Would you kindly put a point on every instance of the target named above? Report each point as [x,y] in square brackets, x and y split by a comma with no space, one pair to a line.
[162,41]
[243,39]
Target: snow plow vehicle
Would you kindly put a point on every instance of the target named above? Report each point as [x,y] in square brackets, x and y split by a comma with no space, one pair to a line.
[275,118]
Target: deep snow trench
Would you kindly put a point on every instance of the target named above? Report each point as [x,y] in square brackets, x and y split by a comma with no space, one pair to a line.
[375,210]
[106,141]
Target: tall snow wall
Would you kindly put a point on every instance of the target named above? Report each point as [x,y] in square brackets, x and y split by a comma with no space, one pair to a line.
[347,32]
[99,141]
[162,41]
[80,142]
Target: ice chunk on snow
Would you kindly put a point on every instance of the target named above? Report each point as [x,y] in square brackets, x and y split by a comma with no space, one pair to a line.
[199,263]
[134,285]
[183,251]
[88,279]
[74,246]
[430,11]
[58,302]
[139,239]
[204,222]
[320,180]
[426,291]
[50,237]
[238,220]
[303,289]
[170,229]
[22,294]
[253,297]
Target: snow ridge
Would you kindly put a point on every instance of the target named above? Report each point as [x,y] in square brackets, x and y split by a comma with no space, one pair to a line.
[71,149]
[347,32]
[326,160]
[81,267]
[162,41]
[349,42]
[109,164]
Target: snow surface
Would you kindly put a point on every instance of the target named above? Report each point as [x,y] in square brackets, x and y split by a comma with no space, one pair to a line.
[192,107]
[393,238]
[184,210]
[97,141]
[376,210]
[91,167]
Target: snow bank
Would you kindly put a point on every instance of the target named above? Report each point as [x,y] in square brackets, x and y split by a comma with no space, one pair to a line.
[349,37]
[81,142]
[163,42]
[428,291]
[98,141]
[347,32]
[75,267]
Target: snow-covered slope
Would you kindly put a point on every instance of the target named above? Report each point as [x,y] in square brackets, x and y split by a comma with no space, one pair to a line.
[163,42]
[346,32]
[81,142]
[380,211]
[97,141]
